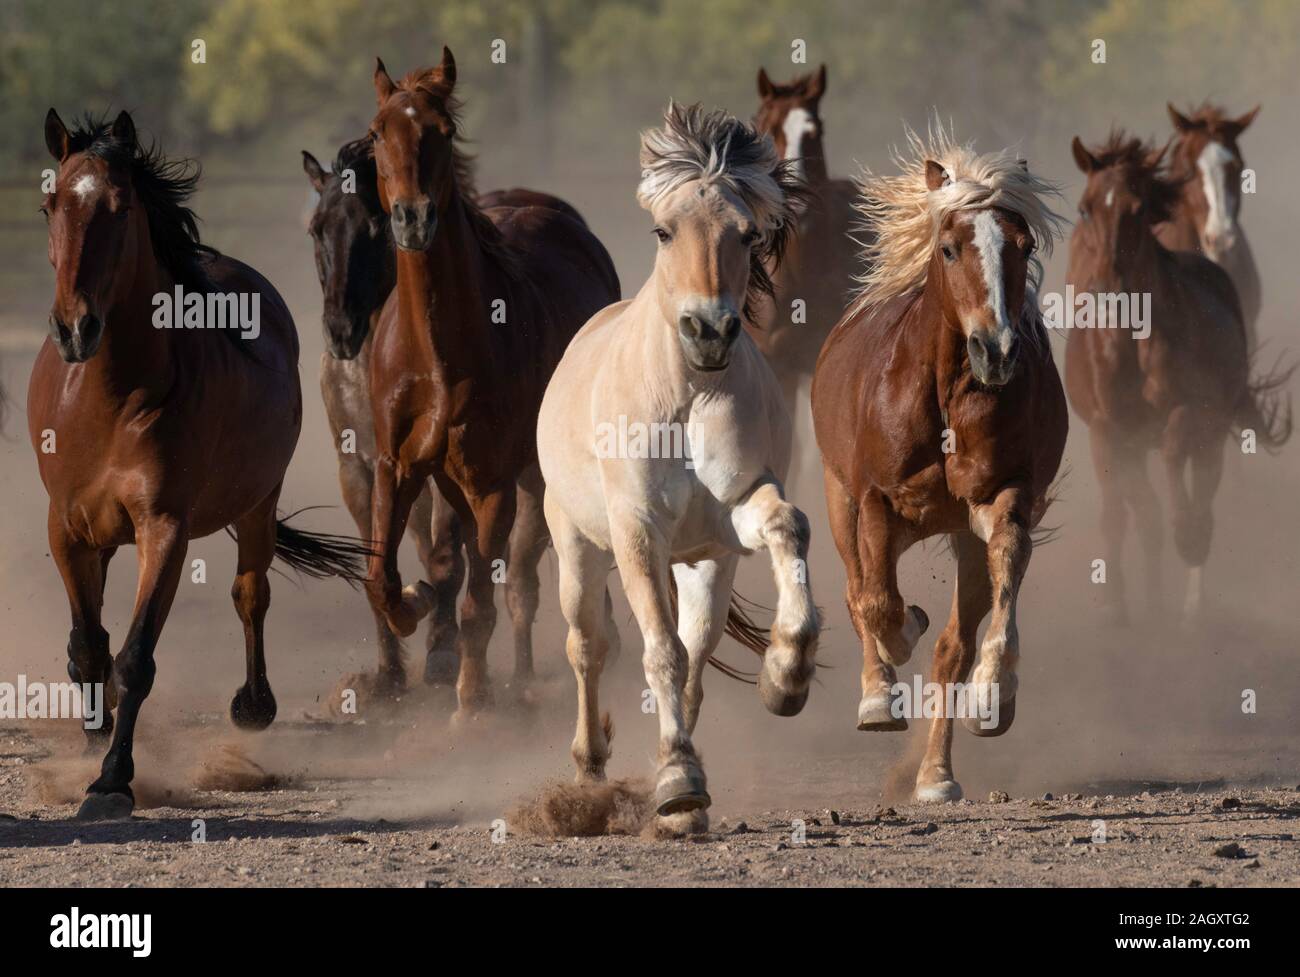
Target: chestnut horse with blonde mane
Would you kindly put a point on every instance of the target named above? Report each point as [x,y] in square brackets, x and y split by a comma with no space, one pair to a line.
[1206,163]
[821,261]
[156,436]
[938,409]
[484,305]
[1179,386]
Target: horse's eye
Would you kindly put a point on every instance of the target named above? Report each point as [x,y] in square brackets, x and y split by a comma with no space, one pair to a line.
[750,239]
[1083,213]
[947,252]
[663,236]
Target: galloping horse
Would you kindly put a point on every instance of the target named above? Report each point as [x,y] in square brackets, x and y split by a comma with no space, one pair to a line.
[357,266]
[1181,389]
[1207,165]
[938,409]
[821,263]
[674,362]
[153,435]
[484,305]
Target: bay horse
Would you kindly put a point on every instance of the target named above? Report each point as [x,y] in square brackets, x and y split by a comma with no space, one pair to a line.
[675,520]
[156,436]
[938,409]
[821,261]
[357,267]
[485,302]
[1181,389]
[1207,165]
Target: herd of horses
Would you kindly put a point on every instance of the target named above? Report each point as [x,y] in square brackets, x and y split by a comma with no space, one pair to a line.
[479,346]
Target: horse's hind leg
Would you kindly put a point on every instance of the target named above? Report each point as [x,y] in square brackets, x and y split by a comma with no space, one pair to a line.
[1142,499]
[528,541]
[871,540]
[1108,461]
[954,653]
[584,569]
[766,521]
[162,543]
[356,480]
[436,529]
[1188,438]
[253,706]
[89,663]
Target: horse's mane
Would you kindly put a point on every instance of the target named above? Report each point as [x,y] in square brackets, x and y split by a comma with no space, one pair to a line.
[901,216]
[715,147]
[489,236]
[163,186]
[1150,168]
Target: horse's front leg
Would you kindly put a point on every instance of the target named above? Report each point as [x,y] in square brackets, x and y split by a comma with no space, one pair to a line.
[643,554]
[436,529]
[1004,525]
[162,542]
[766,521]
[395,490]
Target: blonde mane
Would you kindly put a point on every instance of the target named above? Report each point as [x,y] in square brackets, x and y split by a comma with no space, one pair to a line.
[902,216]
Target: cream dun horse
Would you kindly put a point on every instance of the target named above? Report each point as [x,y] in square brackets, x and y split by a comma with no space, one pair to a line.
[664,439]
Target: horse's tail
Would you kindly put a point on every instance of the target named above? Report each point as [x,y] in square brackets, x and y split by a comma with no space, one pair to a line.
[320,555]
[1266,409]
[741,626]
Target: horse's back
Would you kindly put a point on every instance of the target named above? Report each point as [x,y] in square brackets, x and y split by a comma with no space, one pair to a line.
[562,257]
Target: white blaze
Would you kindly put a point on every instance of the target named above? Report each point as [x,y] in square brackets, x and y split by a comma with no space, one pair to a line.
[797,125]
[988,241]
[1213,164]
[84,186]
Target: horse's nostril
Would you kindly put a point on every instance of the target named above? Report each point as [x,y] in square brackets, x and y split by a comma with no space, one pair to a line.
[729,326]
[691,326]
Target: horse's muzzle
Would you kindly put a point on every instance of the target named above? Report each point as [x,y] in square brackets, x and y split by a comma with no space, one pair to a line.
[706,336]
[345,334]
[992,363]
[79,343]
[414,224]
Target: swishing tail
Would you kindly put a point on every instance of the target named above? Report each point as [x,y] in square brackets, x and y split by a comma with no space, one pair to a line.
[1265,407]
[320,555]
[740,626]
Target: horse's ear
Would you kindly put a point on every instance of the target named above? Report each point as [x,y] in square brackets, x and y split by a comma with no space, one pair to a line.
[1082,158]
[124,128]
[765,86]
[1024,164]
[446,69]
[384,86]
[1181,122]
[935,175]
[56,136]
[817,87]
[1241,122]
[315,172]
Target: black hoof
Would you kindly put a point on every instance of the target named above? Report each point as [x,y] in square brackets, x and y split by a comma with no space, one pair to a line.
[251,713]
[116,806]
[441,667]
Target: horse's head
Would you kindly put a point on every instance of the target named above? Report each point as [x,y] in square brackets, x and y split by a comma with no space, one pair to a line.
[721,202]
[1207,155]
[790,114]
[354,251]
[1128,191]
[414,155]
[91,230]
[981,266]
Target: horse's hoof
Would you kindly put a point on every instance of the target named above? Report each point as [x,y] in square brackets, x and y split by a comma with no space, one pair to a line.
[944,792]
[681,789]
[920,621]
[876,715]
[251,713]
[441,667]
[415,603]
[777,700]
[106,807]
[980,727]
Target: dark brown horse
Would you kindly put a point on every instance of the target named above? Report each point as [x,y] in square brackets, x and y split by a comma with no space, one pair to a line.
[938,409]
[153,432]
[1178,385]
[485,303]
[357,265]
[815,279]
[1207,165]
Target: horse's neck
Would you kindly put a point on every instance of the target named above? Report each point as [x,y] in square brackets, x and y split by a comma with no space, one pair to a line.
[133,353]
[654,358]
[948,346]
[440,296]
